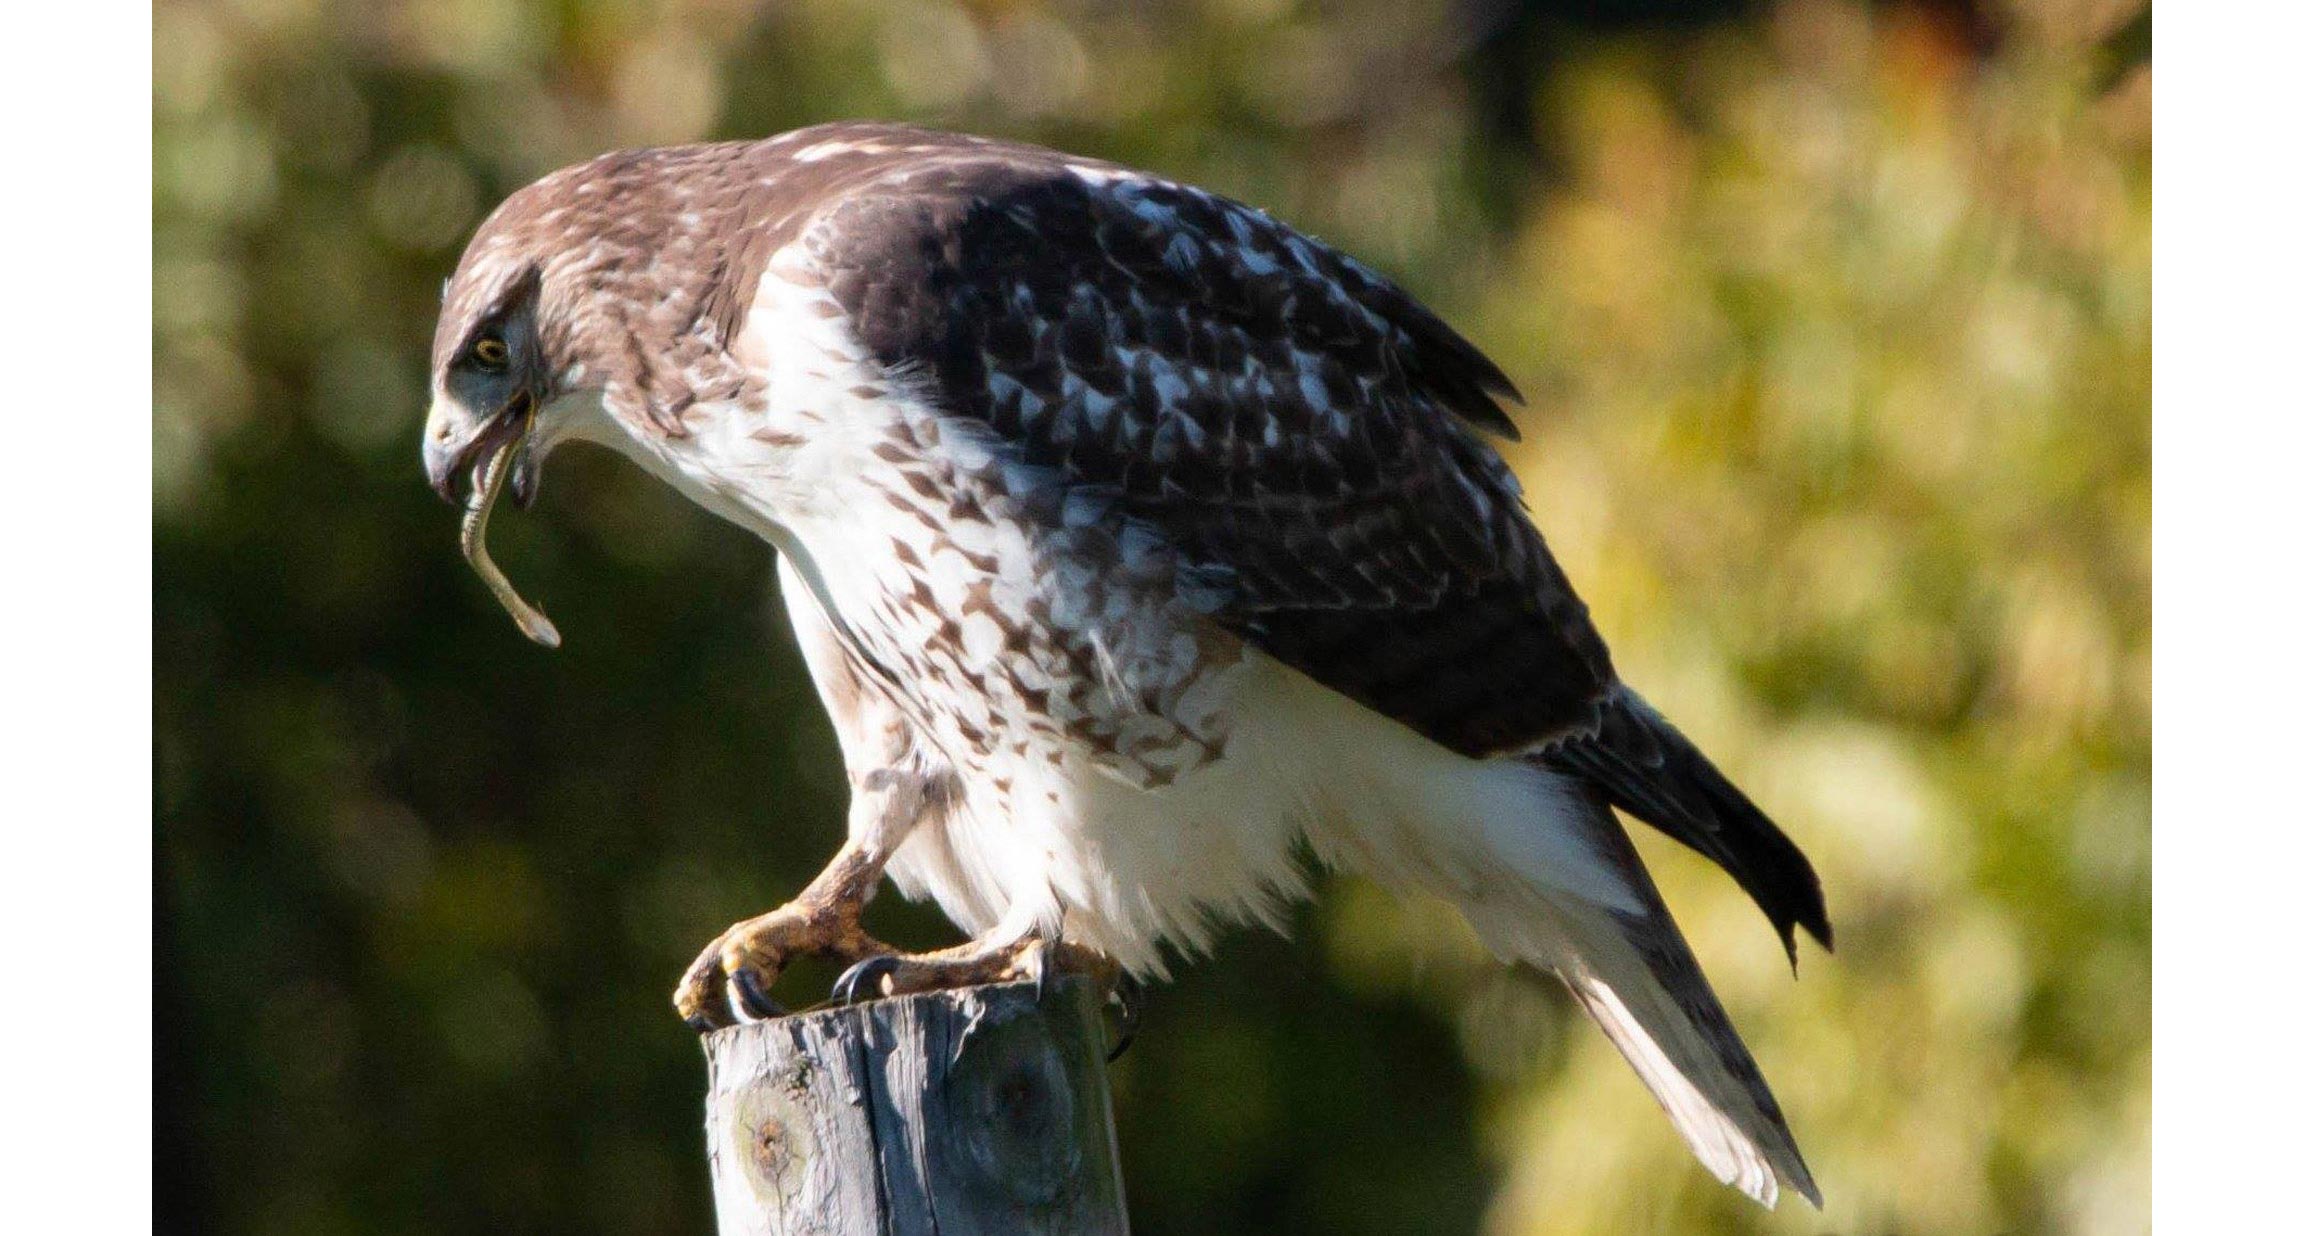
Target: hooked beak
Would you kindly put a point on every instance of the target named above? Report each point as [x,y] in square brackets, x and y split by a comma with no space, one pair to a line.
[457,443]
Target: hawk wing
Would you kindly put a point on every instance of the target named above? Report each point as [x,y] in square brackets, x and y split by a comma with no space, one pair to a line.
[1296,427]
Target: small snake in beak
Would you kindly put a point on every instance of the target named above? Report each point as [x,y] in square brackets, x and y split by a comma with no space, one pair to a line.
[532,621]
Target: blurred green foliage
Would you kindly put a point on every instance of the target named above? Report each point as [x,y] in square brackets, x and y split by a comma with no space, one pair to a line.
[1835,325]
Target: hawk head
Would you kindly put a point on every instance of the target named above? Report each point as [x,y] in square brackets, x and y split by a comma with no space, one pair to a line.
[593,305]
[506,386]
[490,380]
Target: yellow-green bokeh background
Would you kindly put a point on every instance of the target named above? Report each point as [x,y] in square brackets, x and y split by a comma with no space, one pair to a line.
[1835,325]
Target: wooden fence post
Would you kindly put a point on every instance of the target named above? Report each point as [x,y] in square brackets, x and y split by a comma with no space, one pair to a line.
[971,1111]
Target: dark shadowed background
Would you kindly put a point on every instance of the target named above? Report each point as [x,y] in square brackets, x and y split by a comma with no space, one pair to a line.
[1834,320]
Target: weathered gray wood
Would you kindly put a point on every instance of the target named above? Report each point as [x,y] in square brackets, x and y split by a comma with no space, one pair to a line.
[953,1113]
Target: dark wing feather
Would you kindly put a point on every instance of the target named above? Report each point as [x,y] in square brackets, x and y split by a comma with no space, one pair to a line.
[1289,421]
[1647,767]
[1274,409]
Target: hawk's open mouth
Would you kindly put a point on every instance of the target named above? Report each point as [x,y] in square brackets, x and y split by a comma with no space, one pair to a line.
[503,453]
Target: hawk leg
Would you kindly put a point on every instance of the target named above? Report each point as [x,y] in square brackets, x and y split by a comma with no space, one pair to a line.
[1031,959]
[729,981]
[997,957]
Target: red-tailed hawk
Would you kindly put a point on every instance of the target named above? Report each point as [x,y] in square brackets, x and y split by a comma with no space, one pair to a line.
[1131,536]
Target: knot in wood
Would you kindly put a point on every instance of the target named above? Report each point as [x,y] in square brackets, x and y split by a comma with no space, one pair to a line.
[1012,1092]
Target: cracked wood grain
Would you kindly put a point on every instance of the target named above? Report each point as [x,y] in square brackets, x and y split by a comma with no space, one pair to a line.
[950,1113]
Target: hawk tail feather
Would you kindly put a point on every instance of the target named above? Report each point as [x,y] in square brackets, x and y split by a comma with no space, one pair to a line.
[1622,957]
[1646,994]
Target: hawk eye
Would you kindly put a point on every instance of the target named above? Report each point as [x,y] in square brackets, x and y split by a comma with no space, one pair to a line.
[490,353]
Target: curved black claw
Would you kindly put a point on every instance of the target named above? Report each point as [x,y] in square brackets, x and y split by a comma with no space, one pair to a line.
[1128,996]
[748,997]
[862,980]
